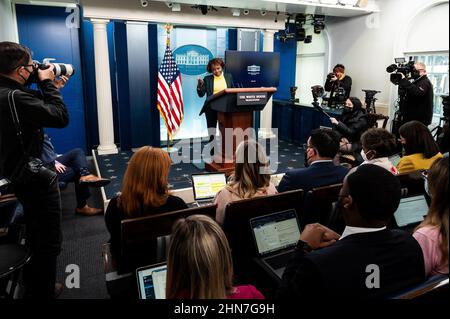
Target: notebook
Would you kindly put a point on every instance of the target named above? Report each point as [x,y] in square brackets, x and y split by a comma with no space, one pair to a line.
[151,281]
[411,211]
[276,236]
[206,186]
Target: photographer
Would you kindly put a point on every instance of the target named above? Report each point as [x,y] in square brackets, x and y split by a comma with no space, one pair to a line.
[39,194]
[418,96]
[338,79]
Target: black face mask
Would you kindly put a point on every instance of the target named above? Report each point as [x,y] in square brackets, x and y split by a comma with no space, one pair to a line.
[33,78]
[415,75]
[347,109]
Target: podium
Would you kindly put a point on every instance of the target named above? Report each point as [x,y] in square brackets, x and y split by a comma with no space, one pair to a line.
[234,107]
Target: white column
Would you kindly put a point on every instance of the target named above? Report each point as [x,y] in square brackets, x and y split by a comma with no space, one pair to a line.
[265,130]
[103,89]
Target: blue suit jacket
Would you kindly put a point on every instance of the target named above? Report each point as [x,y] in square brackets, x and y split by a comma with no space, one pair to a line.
[317,175]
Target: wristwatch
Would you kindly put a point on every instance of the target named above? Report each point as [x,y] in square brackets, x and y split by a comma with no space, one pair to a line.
[303,246]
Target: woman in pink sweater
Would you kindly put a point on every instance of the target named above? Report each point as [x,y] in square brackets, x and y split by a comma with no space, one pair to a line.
[432,233]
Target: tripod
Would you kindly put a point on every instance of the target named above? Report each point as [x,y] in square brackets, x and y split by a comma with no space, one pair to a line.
[370,100]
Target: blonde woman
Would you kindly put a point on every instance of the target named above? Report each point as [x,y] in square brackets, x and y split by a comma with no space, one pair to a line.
[251,177]
[145,191]
[199,265]
[432,233]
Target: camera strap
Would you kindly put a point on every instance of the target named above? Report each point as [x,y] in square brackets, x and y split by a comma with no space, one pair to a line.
[15,118]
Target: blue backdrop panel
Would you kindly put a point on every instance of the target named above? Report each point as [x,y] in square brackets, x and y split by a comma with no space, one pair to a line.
[153,63]
[124,122]
[43,30]
[90,95]
[139,83]
[288,58]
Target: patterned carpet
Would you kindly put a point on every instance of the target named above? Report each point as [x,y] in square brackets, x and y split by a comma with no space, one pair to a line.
[290,156]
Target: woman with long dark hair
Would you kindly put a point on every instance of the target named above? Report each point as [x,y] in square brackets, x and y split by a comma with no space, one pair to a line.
[420,149]
[351,126]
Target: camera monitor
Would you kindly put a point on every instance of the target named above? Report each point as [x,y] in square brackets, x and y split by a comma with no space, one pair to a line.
[253,69]
[400,60]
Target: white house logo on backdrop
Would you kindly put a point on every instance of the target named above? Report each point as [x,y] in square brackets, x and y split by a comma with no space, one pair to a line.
[254,69]
[192,59]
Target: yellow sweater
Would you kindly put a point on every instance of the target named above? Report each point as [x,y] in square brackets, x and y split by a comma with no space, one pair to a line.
[219,84]
[415,162]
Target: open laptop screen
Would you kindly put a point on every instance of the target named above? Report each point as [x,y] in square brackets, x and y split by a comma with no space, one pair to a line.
[275,231]
[411,210]
[206,186]
[151,281]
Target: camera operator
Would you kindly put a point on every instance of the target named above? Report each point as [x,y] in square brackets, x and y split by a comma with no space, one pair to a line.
[39,196]
[418,96]
[338,79]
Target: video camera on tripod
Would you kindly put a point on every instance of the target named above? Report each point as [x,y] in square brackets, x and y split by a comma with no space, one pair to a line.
[370,100]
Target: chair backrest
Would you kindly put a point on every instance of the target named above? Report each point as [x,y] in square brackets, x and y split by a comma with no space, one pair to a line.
[373,119]
[432,285]
[412,183]
[237,221]
[139,235]
[319,202]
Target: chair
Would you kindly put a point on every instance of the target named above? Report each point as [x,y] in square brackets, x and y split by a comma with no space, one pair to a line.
[13,257]
[412,183]
[373,118]
[319,203]
[431,288]
[140,238]
[236,224]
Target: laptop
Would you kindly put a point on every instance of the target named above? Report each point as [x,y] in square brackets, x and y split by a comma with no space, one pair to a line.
[151,281]
[276,236]
[411,211]
[206,186]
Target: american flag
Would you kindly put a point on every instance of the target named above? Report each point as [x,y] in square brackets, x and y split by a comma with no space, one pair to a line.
[170,93]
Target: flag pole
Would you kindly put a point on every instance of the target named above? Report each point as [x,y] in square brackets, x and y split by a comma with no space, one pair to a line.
[168,27]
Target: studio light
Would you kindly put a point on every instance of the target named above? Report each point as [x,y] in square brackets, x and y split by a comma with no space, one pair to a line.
[236,12]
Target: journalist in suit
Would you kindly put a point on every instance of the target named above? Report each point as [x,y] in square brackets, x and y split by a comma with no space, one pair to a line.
[211,84]
[369,260]
[321,148]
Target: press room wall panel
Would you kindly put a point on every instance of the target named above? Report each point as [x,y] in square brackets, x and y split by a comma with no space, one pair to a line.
[43,29]
[139,83]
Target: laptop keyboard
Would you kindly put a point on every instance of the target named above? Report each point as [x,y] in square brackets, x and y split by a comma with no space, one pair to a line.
[279,261]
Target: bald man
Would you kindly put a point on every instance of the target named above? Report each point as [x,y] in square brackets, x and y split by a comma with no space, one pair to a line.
[418,96]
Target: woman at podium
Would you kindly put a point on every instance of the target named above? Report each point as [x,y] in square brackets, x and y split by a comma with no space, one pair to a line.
[211,84]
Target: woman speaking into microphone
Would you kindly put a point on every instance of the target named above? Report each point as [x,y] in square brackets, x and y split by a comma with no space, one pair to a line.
[211,84]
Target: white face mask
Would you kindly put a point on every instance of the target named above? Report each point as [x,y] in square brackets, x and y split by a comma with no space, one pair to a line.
[364,156]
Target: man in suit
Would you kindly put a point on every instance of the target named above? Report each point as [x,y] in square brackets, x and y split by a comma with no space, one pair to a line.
[368,261]
[321,149]
[212,84]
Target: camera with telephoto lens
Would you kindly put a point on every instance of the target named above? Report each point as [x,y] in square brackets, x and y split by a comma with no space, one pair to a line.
[401,67]
[35,171]
[58,68]
[330,76]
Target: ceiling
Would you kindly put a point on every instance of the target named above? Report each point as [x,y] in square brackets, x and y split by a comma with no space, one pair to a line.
[334,8]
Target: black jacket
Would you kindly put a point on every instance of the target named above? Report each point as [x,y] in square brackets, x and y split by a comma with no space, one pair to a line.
[418,104]
[352,125]
[35,109]
[345,83]
[208,88]
[341,270]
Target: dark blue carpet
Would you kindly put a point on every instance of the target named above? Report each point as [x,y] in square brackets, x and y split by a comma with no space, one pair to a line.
[290,156]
